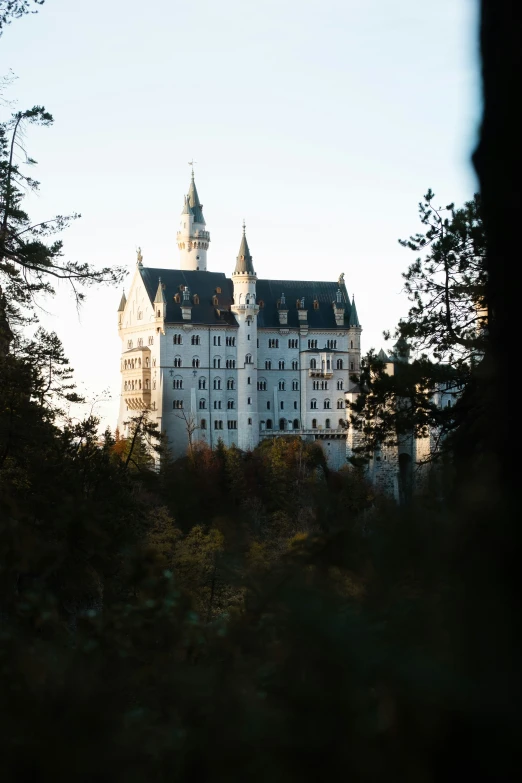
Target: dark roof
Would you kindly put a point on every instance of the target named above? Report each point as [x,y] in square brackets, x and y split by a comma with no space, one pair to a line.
[354,318]
[204,284]
[269,291]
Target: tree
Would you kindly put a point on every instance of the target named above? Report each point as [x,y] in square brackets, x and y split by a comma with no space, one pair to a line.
[191,425]
[445,327]
[14,9]
[29,261]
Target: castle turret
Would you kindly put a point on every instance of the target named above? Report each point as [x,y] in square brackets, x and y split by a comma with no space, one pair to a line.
[354,339]
[245,310]
[193,238]
[121,310]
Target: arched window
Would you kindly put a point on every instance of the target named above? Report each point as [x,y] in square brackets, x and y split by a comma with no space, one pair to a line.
[327,404]
[295,385]
[153,384]
[313,404]
[177,339]
[341,423]
[177,298]
[340,385]
[196,302]
[196,340]
[351,343]
[177,383]
[339,364]
[328,364]
[295,424]
[268,365]
[281,385]
[177,361]
[327,424]
[218,290]
[202,404]
[231,405]
[281,364]
[313,364]
[282,424]
[316,304]
[261,384]
[203,424]
[248,358]
[269,424]
[195,361]
[314,424]
[202,383]
[217,383]
[340,404]
[147,362]
[177,404]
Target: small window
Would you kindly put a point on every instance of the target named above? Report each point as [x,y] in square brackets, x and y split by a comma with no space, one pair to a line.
[215,301]
[177,404]
[177,339]
[177,299]
[295,405]
[250,422]
[268,365]
[249,382]
[281,385]
[316,304]
[151,340]
[195,362]
[249,400]
[340,385]
[327,404]
[295,385]
[327,424]
[314,424]
[261,305]
[281,364]
[269,424]
[248,358]
[313,404]
[340,404]
[313,364]
[196,340]
[195,299]
[202,404]
[203,424]
[268,405]
[202,384]
[230,405]
[218,290]
[351,366]
[339,364]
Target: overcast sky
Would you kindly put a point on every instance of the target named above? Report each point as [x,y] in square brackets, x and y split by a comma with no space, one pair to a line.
[321,124]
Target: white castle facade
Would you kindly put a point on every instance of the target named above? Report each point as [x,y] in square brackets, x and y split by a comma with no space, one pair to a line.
[237,358]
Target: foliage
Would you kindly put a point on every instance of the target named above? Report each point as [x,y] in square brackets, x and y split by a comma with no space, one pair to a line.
[14,9]
[29,260]
[446,330]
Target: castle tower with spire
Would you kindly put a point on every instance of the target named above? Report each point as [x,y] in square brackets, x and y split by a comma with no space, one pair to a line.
[233,357]
[245,309]
[193,238]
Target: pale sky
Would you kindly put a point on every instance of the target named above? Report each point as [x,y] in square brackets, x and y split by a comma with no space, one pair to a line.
[321,124]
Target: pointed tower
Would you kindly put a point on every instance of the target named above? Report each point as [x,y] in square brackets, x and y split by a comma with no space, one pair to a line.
[245,310]
[121,309]
[160,303]
[193,238]
[354,340]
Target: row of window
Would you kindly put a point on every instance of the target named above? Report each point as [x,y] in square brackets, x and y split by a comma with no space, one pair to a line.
[273,342]
[326,404]
[230,364]
[284,424]
[130,343]
[136,385]
[135,364]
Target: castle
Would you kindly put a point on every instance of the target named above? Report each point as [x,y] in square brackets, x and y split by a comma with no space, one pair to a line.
[240,358]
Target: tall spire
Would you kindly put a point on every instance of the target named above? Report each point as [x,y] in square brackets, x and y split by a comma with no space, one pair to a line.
[194,202]
[123,302]
[160,296]
[354,318]
[244,264]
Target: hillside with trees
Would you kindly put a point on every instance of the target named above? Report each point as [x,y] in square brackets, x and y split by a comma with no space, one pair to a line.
[249,616]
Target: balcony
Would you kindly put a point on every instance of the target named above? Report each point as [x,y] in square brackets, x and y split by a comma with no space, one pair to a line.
[319,372]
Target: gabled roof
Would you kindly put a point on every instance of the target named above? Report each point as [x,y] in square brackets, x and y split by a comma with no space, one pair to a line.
[244,262]
[269,292]
[383,356]
[204,284]
[194,202]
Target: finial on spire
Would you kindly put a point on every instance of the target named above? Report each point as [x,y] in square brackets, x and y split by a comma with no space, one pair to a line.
[191,164]
[244,227]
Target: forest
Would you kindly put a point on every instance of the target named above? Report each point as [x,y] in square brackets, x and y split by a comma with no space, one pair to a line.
[238,616]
